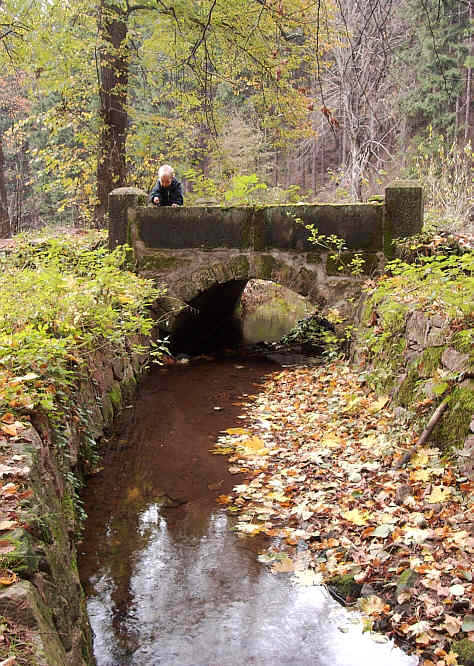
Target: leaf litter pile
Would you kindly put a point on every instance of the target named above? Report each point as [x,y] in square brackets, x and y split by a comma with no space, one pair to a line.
[319,453]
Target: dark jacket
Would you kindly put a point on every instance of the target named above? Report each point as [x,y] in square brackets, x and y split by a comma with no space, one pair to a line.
[168,195]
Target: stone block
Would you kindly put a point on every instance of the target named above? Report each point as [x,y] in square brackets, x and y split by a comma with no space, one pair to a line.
[455,361]
[22,604]
[404,208]
[120,201]
[416,330]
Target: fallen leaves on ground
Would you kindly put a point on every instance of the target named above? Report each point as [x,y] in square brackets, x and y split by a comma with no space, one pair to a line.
[319,452]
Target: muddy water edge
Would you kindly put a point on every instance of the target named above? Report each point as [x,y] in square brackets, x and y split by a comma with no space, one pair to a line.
[167,580]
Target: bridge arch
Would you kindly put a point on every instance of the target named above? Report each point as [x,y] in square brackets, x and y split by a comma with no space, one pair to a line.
[210,283]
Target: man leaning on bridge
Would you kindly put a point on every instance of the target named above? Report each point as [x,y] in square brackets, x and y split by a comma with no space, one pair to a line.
[167,191]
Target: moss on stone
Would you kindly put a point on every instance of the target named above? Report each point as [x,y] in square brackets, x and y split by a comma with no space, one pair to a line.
[115,395]
[240,266]
[407,391]
[465,651]
[128,388]
[463,342]
[265,264]
[453,428]
[159,262]
[107,409]
[313,258]
[22,559]
[429,361]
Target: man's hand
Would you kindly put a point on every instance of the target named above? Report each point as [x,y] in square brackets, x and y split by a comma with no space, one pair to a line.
[174,206]
[156,200]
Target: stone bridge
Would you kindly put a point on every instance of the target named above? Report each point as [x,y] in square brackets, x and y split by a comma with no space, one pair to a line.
[206,255]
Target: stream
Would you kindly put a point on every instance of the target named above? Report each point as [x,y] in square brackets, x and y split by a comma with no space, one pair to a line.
[167,580]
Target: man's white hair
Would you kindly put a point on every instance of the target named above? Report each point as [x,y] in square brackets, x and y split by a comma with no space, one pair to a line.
[165,169]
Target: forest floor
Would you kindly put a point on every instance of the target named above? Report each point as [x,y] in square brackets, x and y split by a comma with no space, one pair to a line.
[320,452]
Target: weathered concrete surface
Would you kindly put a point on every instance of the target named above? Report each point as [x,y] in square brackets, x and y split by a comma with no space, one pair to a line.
[271,227]
[403,208]
[121,205]
[367,227]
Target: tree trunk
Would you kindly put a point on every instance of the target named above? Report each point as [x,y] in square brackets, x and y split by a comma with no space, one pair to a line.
[467,128]
[113,73]
[5,229]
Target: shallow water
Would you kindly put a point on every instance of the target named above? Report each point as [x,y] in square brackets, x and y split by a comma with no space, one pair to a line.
[167,581]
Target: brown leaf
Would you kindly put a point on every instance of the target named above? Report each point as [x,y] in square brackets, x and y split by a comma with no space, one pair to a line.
[9,430]
[224,499]
[8,417]
[8,525]
[6,547]
[9,489]
[452,624]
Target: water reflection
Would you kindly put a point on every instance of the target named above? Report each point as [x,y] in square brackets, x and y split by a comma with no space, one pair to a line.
[168,582]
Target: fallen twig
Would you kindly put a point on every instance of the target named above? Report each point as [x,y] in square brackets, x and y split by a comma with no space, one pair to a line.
[424,435]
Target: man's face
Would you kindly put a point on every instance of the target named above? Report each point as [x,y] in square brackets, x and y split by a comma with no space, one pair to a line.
[166,179]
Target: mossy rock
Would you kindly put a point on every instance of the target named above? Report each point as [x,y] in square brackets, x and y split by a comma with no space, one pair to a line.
[463,342]
[265,264]
[128,388]
[115,395]
[429,361]
[21,559]
[465,651]
[107,409]
[407,391]
[454,425]
[345,586]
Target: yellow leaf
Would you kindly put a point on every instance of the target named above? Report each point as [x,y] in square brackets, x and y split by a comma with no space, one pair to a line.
[439,494]
[373,605]
[378,404]
[254,445]
[356,517]
[250,528]
[420,459]
[423,639]
[7,577]
[287,565]
[421,475]
[222,450]
[332,442]
[236,431]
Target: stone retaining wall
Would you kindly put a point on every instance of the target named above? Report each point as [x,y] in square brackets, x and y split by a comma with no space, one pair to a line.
[47,604]
[424,359]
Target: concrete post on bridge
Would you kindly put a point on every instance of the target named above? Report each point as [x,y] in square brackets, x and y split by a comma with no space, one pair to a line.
[123,203]
[403,210]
